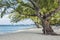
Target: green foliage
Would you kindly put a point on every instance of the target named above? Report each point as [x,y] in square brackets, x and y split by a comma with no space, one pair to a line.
[25,9]
[45,6]
[55,19]
[15,17]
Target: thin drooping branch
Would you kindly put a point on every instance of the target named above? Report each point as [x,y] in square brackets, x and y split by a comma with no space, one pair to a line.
[59,2]
[36,7]
[3,12]
[37,25]
[53,12]
[26,5]
[30,7]
[29,14]
[25,14]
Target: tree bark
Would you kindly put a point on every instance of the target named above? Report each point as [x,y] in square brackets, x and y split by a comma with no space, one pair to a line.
[45,23]
[47,29]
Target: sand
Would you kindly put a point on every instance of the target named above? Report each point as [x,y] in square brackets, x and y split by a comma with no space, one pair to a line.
[30,34]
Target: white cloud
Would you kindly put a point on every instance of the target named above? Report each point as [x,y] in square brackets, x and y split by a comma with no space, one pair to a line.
[6,21]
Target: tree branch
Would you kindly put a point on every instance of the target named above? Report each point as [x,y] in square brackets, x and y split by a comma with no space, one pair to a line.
[53,12]
[26,5]
[34,5]
[25,14]
[3,12]
[29,14]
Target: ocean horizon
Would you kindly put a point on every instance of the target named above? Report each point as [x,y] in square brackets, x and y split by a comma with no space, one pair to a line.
[13,28]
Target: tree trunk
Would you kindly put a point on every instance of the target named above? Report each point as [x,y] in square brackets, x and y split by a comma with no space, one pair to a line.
[47,29]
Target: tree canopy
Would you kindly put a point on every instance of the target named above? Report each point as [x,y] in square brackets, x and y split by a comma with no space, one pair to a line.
[26,9]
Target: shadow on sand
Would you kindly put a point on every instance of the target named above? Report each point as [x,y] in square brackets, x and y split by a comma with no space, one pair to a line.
[41,33]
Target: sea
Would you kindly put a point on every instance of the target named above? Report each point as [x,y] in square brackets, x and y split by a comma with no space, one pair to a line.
[13,28]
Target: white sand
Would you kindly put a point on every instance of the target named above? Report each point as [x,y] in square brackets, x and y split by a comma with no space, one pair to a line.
[31,34]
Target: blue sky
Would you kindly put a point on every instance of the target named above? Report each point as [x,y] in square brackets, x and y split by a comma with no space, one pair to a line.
[6,21]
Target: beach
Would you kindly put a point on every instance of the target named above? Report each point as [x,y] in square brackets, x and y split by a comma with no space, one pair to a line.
[30,34]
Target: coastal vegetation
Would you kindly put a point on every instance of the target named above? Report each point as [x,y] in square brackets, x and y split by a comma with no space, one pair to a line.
[42,12]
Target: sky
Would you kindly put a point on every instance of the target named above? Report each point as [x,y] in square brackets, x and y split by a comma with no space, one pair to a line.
[6,21]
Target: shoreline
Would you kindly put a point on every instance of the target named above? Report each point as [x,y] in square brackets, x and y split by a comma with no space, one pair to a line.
[23,30]
[30,29]
[29,34]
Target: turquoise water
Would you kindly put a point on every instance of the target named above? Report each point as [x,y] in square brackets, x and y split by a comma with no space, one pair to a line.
[12,28]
